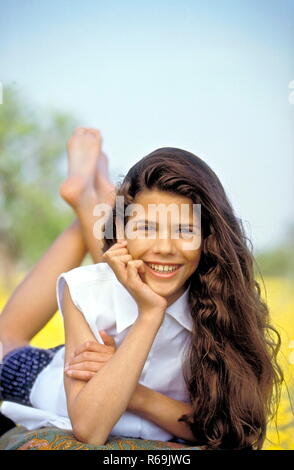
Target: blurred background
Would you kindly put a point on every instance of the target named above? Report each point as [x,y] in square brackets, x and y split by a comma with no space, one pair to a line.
[215,78]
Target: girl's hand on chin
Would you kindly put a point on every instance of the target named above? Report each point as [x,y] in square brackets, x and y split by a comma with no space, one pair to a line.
[128,273]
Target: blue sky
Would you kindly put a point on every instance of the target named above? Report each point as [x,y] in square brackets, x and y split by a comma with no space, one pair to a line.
[211,77]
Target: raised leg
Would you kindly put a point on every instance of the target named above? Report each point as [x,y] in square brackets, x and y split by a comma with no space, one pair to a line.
[87,186]
[33,302]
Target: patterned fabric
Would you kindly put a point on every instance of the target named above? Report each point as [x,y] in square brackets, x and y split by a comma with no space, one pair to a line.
[19,370]
[51,438]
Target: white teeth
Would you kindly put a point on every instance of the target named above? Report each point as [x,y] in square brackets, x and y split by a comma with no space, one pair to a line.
[163,268]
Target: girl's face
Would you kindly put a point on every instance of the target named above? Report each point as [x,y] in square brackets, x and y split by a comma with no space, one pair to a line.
[164,246]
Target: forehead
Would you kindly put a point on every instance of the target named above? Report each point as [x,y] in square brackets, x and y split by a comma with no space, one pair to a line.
[154,204]
[155,196]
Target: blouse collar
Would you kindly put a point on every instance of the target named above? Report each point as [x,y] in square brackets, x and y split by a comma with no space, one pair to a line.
[126,309]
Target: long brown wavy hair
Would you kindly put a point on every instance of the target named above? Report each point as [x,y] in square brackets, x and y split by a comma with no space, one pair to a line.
[231,370]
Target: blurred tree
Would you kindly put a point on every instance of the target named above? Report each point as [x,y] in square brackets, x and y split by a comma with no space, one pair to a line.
[32,151]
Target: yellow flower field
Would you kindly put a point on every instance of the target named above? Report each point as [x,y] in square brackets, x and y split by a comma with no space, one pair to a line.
[280,298]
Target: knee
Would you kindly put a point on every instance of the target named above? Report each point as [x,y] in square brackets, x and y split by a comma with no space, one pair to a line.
[7,345]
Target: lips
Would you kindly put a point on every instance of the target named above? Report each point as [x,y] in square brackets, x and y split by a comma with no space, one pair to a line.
[162,263]
[163,274]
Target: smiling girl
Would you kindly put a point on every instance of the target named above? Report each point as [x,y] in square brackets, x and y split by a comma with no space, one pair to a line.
[160,340]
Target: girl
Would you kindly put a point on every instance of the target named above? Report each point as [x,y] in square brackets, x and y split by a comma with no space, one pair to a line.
[230,369]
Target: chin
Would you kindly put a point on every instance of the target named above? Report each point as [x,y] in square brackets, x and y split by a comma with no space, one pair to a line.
[165,289]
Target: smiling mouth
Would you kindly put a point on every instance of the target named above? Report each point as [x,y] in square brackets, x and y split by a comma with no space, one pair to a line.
[163,270]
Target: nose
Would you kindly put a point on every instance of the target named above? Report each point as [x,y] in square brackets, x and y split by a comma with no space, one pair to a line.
[164,246]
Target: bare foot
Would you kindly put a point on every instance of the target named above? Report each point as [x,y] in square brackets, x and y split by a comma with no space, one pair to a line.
[83,150]
[104,187]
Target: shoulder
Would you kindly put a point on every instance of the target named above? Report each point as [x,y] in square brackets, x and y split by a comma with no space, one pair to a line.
[91,289]
[89,273]
[88,285]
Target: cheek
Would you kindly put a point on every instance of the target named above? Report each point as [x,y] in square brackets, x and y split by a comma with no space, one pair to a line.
[193,260]
[131,246]
[136,248]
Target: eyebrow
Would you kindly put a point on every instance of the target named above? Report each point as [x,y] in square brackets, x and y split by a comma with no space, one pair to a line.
[156,223]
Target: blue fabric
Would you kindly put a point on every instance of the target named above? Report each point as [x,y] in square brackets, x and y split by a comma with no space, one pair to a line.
[20,369]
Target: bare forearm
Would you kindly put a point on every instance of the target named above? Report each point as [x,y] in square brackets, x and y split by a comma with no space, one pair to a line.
[105,397]
[161,410]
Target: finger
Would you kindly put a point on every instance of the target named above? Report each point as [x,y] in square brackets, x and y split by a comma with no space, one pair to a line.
[117,258]
[89,346]
[141,267]
[116,251]
[122,241]
[120,259]
[111,252]
[90,356]
[119,266]
[88,365]
[118,263]
[132,272]
[108,340]
[121,244]
[80,374]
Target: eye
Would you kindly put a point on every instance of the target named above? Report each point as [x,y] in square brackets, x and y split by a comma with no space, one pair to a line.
[186,230]
[190,230]
[145,227]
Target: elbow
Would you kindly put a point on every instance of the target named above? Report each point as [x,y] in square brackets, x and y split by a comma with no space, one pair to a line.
[82,434]
[97,440]
[79,434]
[87,429]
